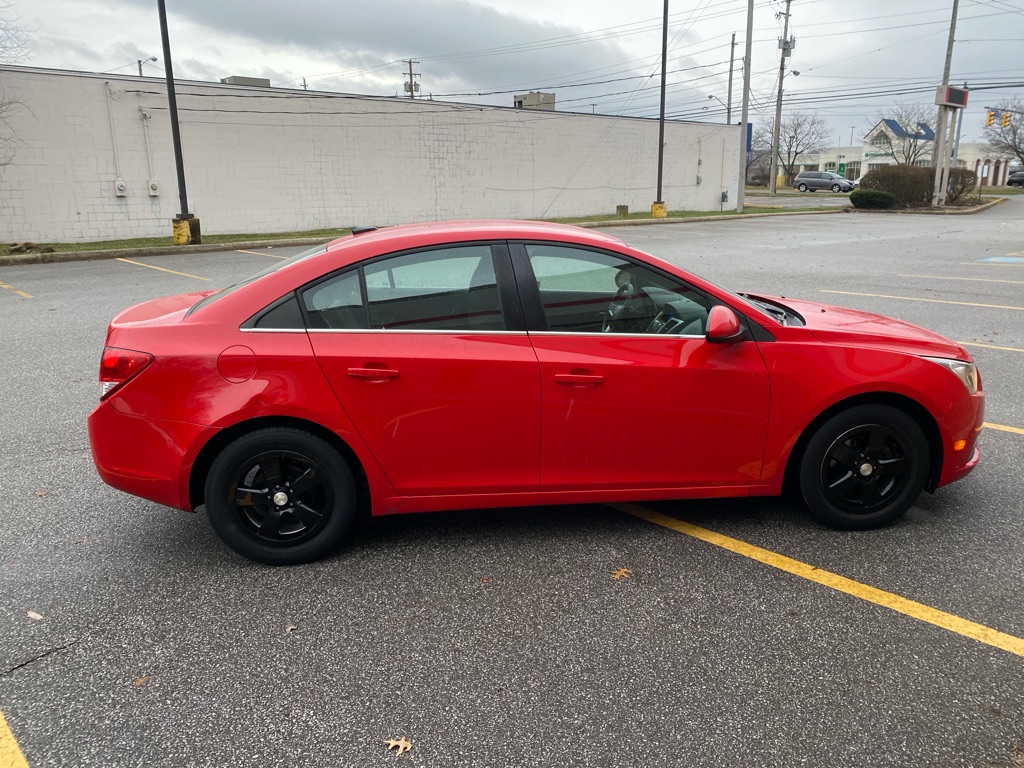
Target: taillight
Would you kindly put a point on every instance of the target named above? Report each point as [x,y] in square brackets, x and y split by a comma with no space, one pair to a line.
[117,366]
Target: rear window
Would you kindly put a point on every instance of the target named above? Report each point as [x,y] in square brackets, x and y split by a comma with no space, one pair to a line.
[315,251]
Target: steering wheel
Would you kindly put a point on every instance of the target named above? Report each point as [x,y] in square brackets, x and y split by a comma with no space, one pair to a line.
[620,308]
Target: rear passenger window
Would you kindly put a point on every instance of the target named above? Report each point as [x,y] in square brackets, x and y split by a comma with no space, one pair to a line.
[336,303]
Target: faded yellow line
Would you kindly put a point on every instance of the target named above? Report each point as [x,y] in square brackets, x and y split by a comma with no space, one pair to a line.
[990,263]
[10,754]
[930,301]
[989,346]
[972,279]
[23,295]
[834,581]
[257,253]
[1003,428]
[150,266]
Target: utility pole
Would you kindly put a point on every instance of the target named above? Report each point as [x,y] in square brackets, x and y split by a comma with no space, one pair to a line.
[732,60]
[411,85]
[659,210]
[940,151]
[742,153]
[784,44]
[185,226]
[303,83]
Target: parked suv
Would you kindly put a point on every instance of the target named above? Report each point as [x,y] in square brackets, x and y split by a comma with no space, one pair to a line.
[1015,179]
[812,181]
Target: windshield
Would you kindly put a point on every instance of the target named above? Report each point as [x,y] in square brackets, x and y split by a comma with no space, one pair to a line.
[315,251]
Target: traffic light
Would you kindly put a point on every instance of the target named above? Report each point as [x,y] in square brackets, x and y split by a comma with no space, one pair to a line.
[990,118]
[1006,120]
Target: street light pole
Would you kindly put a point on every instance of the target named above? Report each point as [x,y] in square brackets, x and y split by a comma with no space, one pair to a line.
[742,139]
[784,45]
[185,226]
[658,209]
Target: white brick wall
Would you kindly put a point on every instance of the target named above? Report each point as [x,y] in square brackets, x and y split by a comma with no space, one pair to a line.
[260,160]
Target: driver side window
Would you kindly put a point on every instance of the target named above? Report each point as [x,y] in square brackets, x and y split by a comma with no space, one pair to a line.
[594,292]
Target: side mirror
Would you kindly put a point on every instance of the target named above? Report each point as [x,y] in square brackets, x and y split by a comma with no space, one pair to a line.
[723,326]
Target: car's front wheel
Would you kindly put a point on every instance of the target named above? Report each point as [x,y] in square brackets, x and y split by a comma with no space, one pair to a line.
[802,187]
[864,467]
[836,188]
[280,496]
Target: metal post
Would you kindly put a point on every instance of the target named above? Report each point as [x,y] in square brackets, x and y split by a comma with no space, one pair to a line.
[185,226]
[140,66]
[742,180]
[940,154]
[959,125]
[778,104]
[661,119]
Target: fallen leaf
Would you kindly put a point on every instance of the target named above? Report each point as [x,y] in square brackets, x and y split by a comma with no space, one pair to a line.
[34,616]
[399,745]
[289,629]
[141,680]
[621,573]
[41,494]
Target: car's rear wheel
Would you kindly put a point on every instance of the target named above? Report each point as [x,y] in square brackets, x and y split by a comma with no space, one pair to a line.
[802,187]
[280,496]
[836,188]
[864,467]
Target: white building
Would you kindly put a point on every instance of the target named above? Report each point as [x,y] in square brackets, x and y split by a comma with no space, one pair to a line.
[92,159]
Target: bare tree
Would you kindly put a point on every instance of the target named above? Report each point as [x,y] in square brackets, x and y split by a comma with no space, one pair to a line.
[13,50]
[1008,140]
[904,133]
[798,135]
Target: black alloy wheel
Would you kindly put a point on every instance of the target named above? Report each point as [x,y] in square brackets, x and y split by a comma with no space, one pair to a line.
[864,467]
[280,496]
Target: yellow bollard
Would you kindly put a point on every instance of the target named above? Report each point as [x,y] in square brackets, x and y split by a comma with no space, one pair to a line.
[659,210]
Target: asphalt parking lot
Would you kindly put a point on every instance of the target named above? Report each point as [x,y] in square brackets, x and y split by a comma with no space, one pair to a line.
[673,634]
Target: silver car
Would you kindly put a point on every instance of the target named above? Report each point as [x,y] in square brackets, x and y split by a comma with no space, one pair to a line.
[812,181]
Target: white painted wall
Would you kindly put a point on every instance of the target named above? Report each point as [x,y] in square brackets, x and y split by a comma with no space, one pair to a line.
[274,160]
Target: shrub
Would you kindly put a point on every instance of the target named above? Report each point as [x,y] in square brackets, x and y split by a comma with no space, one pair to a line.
[960,182]
[909,184]
[872,198]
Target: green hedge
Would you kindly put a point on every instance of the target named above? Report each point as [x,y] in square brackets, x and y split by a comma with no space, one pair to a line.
[872,198]
[913,185]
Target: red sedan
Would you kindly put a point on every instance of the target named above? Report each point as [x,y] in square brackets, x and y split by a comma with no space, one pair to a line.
[491,364]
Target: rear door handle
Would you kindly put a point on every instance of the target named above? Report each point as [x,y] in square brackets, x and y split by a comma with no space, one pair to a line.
[579,379]
[373,373]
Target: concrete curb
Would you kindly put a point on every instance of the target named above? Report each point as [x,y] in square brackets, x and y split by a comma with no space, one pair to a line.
[127,253]
[15,259]
[943,212]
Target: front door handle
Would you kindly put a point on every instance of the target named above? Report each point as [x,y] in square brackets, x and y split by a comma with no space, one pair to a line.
[579,379]
[379,374]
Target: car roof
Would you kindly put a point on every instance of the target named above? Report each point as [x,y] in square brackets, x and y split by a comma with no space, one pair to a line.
[426,233]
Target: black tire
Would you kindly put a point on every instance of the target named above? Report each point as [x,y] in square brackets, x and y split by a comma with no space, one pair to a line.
[801,187]
[864,467]
[836,188]
[280,496]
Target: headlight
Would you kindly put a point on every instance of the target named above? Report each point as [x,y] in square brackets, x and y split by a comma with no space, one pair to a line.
[966,372]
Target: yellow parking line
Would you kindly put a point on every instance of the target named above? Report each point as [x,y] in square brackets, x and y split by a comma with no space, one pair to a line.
[12,289]
[834,581]
[930,301]
[1003,428]
[257,253]
[989,346]
[972,279]
[990,263]
[150,266]
[10,754]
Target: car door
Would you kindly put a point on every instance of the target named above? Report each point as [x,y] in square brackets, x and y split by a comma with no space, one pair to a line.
[633,394]
[427,354]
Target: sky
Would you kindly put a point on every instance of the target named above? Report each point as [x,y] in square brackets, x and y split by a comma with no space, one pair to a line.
[857,61]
